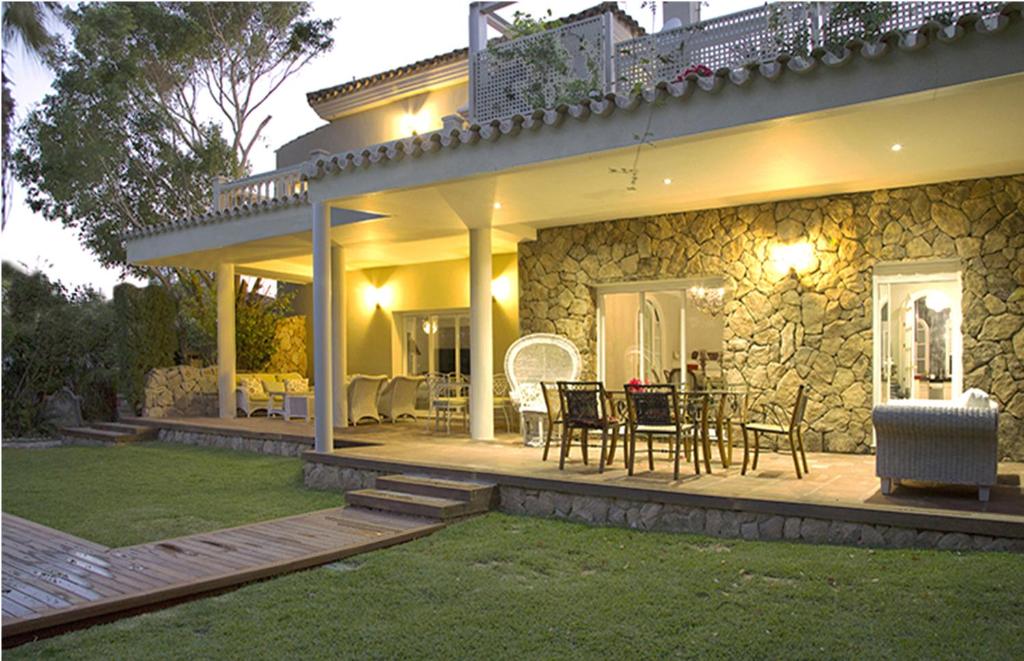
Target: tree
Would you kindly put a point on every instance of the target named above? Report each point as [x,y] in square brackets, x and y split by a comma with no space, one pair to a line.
[53,337]
[25,24]
[122,142]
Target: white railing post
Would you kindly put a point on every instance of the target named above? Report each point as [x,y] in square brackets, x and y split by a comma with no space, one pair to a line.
[218,184]
[477,43]
[607,53]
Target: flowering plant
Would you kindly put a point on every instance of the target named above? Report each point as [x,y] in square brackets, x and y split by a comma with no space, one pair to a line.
[635,385]
[696,69]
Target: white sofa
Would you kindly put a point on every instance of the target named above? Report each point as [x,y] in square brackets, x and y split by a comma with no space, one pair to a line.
[250,403]
[951,443]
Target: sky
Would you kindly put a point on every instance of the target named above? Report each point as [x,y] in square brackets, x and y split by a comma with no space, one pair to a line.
[369,37]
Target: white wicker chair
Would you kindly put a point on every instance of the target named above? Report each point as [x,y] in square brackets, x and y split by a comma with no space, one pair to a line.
[944,443]
[530,360]
[398,398]
[362,398]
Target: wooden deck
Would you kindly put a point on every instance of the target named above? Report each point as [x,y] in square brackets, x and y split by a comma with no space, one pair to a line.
[839,486]
[53,581]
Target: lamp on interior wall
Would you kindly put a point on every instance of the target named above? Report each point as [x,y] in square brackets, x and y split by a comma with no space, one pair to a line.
[793,257]
[378,297]
[429,327]
[709,300]
[501,288]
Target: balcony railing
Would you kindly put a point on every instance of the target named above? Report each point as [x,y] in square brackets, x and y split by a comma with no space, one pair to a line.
[570,62]
[280,185]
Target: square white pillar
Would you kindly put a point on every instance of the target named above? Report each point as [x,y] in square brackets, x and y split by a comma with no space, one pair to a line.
[481,336]
[322,370]
[225,281]
[338,336]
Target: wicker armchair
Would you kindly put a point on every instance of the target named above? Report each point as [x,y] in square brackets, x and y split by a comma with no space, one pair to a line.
[362,398]
[530,360]
[398,398]
[945,443]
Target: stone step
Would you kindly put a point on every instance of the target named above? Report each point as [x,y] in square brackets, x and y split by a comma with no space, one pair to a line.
[399,502]
[477,496]
[142,431]
[95,433]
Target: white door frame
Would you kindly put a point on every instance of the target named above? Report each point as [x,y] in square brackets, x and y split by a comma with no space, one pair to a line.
[911,273]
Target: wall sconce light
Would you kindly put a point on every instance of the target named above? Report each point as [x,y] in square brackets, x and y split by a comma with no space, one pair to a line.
[378,297]
[418,123]
[794,257]
[501,288]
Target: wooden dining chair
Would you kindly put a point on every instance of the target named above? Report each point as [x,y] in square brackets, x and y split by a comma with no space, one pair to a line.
[656,410]
[586,407]
[780,427]
[696,407]
[553,406]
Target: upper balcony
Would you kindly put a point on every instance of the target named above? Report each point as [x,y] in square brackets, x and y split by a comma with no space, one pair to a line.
[567,63]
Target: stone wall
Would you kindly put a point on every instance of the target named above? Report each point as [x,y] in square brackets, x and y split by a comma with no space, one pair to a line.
[281,447]
[667,517]
[746,525]
[290,346]
[184,391]
[180,391]
[783,329]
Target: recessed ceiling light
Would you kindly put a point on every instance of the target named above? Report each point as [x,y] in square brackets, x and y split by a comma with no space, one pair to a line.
[666,181]
[896,146]
[497,205]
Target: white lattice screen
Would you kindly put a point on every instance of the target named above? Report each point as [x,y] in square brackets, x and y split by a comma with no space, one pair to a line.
[506,83]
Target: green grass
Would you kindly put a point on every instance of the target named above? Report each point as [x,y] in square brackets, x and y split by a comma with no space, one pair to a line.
[144,492]
[509,587]
[506,587]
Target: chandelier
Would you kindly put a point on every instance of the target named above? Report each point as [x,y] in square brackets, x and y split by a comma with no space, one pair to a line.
[709,300]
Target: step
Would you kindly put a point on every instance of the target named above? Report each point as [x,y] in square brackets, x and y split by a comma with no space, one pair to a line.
[407,503]
[142,431]
[108,435]
[476,495]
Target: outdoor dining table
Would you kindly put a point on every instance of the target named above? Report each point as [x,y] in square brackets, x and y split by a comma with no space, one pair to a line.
[733,412]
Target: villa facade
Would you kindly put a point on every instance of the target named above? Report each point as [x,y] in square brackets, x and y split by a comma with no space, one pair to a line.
[845,213]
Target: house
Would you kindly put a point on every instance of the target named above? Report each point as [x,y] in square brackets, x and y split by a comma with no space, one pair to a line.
[791,194]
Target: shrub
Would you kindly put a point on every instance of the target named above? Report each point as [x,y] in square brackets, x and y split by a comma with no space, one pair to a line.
[147,336]
[53,337]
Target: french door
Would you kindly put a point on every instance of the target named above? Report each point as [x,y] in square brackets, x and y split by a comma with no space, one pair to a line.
[436,342]
[918,343]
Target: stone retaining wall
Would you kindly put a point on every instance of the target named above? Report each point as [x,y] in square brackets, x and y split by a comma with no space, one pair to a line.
[189,392]
[665,517]
[782,329]
[279,447]
[180,391]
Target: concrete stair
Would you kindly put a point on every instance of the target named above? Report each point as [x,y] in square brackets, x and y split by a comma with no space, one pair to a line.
[110,432]
[426,497]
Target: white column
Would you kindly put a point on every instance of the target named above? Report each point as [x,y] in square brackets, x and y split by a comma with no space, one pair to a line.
[338,337]
[481,337]
[322,371]
[226,340]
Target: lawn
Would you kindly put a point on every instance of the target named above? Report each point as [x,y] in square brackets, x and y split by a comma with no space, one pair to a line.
[501,586]
[149,491]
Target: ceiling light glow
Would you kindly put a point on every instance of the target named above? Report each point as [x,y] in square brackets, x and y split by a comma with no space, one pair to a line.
[896,147]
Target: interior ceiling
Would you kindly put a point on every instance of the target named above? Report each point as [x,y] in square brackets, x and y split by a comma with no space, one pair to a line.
[965,131]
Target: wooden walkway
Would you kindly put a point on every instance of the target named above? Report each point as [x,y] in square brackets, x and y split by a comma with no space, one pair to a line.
[53,581]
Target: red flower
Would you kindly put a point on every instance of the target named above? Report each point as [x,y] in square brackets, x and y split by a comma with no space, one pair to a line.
[696,69]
